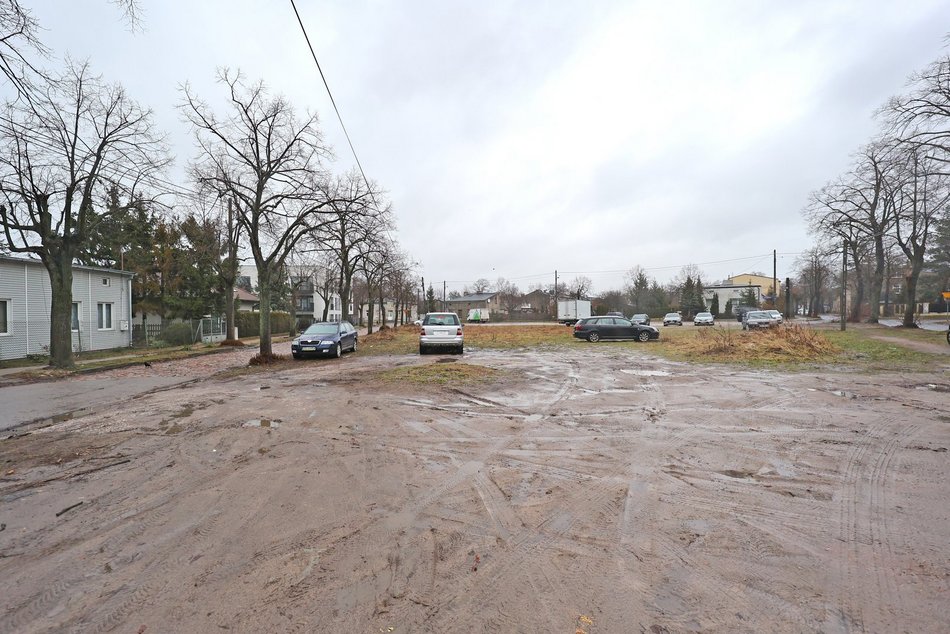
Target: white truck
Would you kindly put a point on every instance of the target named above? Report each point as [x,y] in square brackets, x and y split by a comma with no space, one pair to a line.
[570,310]
[478,315]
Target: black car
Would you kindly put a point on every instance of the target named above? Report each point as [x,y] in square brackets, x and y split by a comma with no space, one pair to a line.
[641,318]
[325,339]
[597,328]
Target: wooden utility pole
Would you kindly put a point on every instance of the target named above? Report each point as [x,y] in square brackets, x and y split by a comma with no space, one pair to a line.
[443,296]
[774,279]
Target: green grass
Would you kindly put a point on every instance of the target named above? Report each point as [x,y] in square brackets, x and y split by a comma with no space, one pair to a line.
[456,373]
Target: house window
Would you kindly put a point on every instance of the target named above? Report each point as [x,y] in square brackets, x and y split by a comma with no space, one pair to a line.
[305,304]
[106,281]
[105,316]
[4,322]
[74,317]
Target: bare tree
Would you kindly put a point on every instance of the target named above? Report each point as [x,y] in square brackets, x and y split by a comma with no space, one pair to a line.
[481,285]
[922,117]
[580,287]
[62,150]
[918,192]
[853,210]
[814,271]
[271,164]
[509,295]
[356,219]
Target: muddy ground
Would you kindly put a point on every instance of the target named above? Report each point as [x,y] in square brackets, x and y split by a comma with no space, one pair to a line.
[591,489]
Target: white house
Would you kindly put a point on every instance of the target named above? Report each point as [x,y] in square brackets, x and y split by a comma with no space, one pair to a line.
[732,292]
[101,311]
[309,302]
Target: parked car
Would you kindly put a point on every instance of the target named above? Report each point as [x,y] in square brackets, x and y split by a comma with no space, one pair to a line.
[777,316]
[441,331]
[325,339]
[672,319]
[641,318]
[757,319]
[703,319]
[596,328]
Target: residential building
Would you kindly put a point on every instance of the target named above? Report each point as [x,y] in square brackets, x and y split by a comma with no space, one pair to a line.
[309,302]
[246,301]
[537,301]
[101,308]
[733,292]
[754,279]
[482,301]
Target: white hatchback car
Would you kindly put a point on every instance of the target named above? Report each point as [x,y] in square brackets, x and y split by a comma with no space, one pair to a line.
[441,330]
[672,319]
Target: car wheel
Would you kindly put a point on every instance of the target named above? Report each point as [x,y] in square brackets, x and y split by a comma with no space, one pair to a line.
[353,349]
[297,357]
[643,335]
[422,349]
[593,337]
[338,352]
[461,350]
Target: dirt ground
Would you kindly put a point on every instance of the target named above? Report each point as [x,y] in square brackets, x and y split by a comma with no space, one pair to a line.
[589,489]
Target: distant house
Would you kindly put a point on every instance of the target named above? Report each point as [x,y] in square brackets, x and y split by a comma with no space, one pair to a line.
[246,301]
[461,305]
[732,292]
[538,301]
[753,279]
[101,309]
[309,302]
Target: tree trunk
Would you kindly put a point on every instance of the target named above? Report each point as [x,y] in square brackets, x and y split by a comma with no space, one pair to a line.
[382,309]
[369,317]
[917,264]
[263,281]
[345,289]
[858,300]
[293,311]
[877,280]
[60,269]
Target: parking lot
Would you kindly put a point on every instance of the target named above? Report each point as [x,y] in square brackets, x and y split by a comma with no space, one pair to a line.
[591,488]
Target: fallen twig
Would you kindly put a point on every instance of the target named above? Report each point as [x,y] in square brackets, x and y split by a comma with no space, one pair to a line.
[69,508]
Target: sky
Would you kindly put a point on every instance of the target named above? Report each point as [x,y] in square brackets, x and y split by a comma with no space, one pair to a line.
[516,139]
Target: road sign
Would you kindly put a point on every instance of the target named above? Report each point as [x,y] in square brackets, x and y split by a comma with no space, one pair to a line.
[946,295]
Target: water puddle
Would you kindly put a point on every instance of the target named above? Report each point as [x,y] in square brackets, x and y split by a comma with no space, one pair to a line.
[647,372]
[262,422]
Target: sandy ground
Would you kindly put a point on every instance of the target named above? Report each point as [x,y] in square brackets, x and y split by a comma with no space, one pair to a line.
[593,489]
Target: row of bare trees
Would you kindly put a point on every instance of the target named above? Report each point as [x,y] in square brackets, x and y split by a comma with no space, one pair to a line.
[884,211]
[261,183]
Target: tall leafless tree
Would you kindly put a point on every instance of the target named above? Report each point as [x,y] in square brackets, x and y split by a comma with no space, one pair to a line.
[60,153]
[919,191]
[271,163]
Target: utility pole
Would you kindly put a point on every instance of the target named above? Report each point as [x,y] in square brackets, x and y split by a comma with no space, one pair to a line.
[443,296]
[423,306]
[844,284]
[774,278]
[555,295]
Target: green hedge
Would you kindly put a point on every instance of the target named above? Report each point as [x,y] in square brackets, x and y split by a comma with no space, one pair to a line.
[249,324]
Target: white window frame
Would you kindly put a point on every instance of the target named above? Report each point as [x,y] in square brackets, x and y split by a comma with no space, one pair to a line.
[100,316]
[6,317]
[78,323]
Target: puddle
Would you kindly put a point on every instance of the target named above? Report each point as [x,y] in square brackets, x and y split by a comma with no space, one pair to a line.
[843,394]
[262,422]
[647,372]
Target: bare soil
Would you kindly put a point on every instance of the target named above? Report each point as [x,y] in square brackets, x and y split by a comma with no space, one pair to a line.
[586,489]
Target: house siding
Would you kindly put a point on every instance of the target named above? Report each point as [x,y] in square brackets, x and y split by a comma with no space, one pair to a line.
[25,284]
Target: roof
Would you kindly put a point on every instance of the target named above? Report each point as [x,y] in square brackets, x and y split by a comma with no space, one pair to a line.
[79,267]
[474,297]
[706,288]
[245,296]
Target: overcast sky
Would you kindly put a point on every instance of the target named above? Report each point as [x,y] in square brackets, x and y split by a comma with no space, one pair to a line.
[517,138]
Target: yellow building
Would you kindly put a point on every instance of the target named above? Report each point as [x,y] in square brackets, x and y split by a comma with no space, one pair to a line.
[751,279]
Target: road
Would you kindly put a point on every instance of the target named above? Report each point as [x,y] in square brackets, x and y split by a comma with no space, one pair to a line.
[590,487]
[79,395]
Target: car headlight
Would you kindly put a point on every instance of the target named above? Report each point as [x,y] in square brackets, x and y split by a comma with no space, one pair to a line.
[295,342]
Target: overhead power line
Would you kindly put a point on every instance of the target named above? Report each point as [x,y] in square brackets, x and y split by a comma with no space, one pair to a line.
[330,94]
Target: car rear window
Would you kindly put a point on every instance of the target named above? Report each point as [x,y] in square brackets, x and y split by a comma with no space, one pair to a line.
[441,320]
[322,329]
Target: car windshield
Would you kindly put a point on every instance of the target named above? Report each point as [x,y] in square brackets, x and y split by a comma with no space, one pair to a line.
[639,316]
[322,329]
[672,315]
[441,320]
[704,315]
[757,315]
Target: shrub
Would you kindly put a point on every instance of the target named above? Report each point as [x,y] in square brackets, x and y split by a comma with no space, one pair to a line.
[178,335]
[249,324]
